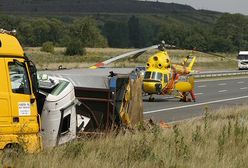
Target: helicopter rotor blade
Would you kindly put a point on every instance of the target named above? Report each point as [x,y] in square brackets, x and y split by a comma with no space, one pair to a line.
[213,54]
[218,55]
[136,53]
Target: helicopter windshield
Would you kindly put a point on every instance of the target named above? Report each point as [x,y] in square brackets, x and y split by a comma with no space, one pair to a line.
[156,76]
[147,75]
[153,75]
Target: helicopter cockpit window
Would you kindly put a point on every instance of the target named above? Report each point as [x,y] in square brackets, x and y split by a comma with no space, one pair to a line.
[19,78]
[147,75]
[156,76]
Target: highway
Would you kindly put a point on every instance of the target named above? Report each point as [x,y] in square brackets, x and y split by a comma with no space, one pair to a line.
[213,94]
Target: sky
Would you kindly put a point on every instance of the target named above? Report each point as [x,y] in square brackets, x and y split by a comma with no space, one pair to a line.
[231,6]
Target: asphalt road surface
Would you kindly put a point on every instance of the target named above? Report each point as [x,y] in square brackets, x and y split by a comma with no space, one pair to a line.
[213,94]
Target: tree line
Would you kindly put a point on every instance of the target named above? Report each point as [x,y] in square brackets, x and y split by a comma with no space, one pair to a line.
[228,33]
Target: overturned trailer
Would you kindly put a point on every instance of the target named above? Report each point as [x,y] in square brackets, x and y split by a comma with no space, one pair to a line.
[108,97]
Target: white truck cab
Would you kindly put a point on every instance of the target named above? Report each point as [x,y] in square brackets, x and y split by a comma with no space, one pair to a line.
[58,114]
[243,60]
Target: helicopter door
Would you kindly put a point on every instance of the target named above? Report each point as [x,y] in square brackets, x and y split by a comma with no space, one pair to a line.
[165,80]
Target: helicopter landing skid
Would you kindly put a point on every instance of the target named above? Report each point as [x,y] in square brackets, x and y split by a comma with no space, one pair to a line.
[183,96]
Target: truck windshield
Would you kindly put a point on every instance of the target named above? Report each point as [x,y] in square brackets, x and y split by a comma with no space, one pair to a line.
[60,87]
[243,57]
[19,78]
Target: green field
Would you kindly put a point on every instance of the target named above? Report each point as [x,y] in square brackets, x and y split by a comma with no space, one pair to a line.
[219,139]
[45,60]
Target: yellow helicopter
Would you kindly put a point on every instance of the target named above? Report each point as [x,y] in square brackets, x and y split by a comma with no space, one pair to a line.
[161,76]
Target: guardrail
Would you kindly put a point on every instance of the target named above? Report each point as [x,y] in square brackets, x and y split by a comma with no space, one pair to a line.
[220,74]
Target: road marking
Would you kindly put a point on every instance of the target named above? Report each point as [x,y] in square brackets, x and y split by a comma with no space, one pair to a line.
[225,79]
[198,94]
[244,88]
[222,84]
[220,91]
[241,82]
[194,105]
[202,86]
[72,74]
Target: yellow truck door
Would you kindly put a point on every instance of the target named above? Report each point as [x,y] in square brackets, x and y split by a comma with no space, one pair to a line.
[5,108]
[23,105]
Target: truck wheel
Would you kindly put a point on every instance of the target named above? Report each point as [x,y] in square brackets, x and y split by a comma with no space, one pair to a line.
[10,153]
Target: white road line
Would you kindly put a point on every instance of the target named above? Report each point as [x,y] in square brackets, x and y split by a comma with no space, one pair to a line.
[194,105]
[222,84]
[240,82]
[202,86]
[225,79]
[72,74]
[220,91]
[199,94]
[244,88]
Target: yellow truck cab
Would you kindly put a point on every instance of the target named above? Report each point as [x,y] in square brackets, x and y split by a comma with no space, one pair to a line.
[19,118]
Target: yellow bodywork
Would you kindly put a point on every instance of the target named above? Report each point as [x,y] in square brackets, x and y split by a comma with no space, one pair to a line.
[10,46]
[19,117]
[160,60]
[183,86]
[149,87]
[182,69]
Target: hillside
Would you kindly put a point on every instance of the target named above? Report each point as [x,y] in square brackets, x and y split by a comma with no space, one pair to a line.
[122,24]
[78,7]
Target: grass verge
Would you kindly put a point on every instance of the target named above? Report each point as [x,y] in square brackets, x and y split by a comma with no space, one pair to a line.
[218,139]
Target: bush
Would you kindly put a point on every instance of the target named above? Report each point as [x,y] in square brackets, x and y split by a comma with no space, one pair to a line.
[48,47]
[75,47]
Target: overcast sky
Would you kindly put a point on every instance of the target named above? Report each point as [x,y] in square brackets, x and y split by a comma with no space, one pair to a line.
[231,6]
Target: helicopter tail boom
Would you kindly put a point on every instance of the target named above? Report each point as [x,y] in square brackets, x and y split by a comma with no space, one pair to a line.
[191,64]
